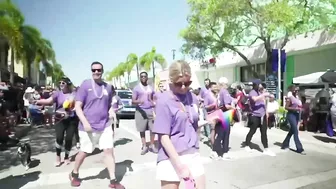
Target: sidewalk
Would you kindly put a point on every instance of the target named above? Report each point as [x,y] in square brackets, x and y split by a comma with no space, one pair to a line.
[305,137]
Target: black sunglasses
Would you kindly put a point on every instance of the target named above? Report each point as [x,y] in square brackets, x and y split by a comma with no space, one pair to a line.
[62,83]
[180,84]
[143,76]
[96,70]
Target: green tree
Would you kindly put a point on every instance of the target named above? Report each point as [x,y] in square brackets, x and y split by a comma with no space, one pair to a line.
[133,60]
[57,72]
[148,60]
[11,20]
[216,26]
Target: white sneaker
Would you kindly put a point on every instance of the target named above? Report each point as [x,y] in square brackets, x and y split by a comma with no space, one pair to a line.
[214,155]
[248,149]
[226,156]
[269,152]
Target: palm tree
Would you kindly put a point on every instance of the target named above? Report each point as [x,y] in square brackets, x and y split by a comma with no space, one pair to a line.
[32,44]
[11,20]
[57,72]
[132,60]
[45,54]
[148,60]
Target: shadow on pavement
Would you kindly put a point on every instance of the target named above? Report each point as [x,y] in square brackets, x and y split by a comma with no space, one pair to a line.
[325,139]
[122,141]
[41,141]
[121,170]
[253,146]
[16,182]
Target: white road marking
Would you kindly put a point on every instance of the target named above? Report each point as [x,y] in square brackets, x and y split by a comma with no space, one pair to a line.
[62,177]
[301,181]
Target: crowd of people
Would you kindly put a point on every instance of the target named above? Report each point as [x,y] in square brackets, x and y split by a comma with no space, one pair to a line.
[176,115]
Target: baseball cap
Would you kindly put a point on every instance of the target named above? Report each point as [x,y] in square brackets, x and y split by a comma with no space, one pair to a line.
[257,82]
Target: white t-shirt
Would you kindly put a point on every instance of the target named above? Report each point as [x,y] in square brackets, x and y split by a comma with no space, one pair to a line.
[333,100]
[272,107]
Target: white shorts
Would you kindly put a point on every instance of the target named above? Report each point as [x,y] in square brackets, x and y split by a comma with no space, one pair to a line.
[102,140]
[166,172]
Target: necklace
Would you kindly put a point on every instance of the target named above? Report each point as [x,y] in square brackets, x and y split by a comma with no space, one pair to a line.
[93,83]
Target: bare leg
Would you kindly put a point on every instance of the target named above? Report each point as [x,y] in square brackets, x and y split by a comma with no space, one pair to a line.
[79,161]
[110,162]
[169,185]
[200,182]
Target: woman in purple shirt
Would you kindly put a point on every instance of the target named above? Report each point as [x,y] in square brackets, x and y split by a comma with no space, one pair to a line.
[294,107]
[257,119]
[176,124]
[68,125]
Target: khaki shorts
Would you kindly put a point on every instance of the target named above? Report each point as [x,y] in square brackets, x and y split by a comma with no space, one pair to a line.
[144,120]
[91,140]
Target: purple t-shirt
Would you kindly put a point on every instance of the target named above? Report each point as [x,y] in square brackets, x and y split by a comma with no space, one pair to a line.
[145,93]
[180,125]
[224,97]
[158,94]
[116,101]
[295,102]
[210,100]
[258,108]
[204,92]
[59,97]
[96,99]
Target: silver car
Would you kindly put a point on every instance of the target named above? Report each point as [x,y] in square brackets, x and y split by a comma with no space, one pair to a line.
[127,110]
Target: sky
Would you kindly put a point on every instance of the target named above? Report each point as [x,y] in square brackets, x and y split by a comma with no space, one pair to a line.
[84,31]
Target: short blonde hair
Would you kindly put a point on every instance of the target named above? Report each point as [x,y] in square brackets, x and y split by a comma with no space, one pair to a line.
[178,69]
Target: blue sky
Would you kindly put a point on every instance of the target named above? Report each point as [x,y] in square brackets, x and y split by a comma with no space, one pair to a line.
[83,31]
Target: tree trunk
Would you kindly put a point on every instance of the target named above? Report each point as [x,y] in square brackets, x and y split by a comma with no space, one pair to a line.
[137,70]
[248,62]
[153,67]
[128,79]
[28,71]
[12,67]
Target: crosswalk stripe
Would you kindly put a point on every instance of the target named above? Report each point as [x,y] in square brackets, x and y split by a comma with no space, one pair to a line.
[62,177]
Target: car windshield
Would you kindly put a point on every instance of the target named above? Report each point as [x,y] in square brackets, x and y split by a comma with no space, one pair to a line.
[125,94]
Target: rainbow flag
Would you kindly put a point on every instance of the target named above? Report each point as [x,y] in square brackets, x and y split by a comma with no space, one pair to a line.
[225,118]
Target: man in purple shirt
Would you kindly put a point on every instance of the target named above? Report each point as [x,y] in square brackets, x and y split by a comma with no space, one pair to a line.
[221,143]
[144,116]
[257,119]
[93,101]
[160,92]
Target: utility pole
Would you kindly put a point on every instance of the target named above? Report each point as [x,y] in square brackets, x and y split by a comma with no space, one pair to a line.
[173,50]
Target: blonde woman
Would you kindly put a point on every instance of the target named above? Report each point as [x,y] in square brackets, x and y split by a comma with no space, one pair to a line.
[176,124]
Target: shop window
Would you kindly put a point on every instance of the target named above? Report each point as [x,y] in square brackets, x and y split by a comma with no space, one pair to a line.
[247,76]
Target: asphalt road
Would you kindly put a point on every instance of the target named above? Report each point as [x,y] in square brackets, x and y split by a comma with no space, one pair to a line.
[253,170]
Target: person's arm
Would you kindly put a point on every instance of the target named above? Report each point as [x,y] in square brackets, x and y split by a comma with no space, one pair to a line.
[135,95]
[162,127]
[80,100]
[48,101]
[207,104]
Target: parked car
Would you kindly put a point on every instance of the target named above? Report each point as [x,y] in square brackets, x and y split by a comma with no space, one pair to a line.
[128,109]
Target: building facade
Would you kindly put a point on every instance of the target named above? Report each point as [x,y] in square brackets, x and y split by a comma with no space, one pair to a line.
[306,54]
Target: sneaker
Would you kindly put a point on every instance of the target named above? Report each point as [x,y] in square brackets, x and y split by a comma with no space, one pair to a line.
[269,152]
[75,182]
[226,156]
[144,150]
[58,161]
[116,186]
[248,149]
[214,155]
[153,149]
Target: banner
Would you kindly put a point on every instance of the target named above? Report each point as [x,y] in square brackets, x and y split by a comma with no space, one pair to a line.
[275,60]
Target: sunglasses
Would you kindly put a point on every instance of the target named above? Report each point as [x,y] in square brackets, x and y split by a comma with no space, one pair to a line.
[160,86]
[62,83]
[180,84]
[143,76]
[96,70]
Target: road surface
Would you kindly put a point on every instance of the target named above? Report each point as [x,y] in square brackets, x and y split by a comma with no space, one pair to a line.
[253,170]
